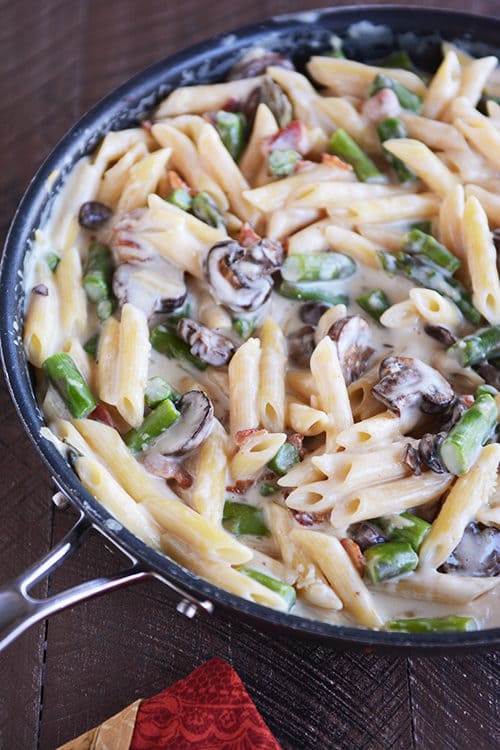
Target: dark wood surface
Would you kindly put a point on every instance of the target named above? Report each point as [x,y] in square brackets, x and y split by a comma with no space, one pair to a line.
[63,677]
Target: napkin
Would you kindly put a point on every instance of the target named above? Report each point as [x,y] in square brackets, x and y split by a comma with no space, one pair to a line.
[208,710]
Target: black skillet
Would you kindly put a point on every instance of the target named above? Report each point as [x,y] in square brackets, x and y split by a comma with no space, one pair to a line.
[298,35]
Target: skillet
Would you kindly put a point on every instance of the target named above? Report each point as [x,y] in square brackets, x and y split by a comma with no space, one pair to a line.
[298,35]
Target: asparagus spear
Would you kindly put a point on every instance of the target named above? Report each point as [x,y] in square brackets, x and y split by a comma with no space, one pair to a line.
[317,267]
[231,127]
[399,59]
[406,98]
[239,518]
[448,624]
[104,308]
[157,390]
[155,423]
[244,327]
[267,489]
[311,292]
[394,128]
[206,209]
[67,380]
[343,146]
[165,341]
[477,347]
[281,588]
[416,270]
[424,226]
[97,279]
[375,303]
[282,162]
[416,242]
[180,198]
[461,446]
[389,559]
[52,261]
[285,458]
[91,345]
[406,528]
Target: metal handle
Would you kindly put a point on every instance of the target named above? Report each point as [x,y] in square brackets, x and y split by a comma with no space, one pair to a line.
[19,610]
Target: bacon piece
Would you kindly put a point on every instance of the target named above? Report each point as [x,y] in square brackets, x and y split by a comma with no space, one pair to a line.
[356,556]
[334,161]
[241,486]
[247,235]
[102,414]
[294,135]
[296,439]
[242,435]
[309,519]
[382,105]
[177,183]
[168,468]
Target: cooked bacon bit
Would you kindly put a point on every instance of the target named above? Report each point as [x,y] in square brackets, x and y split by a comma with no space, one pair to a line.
[40,289]
[147,125]
[232,105]
[333,161]
[242,435]
[381,105]
[247,235]
[102,414]
[295,135]
[296,439]
[241,486]
[468,399]
[309,519]
[177,183]
[168,468]
[356,556]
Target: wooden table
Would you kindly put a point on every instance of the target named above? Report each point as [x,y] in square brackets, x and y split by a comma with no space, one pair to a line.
[65,676]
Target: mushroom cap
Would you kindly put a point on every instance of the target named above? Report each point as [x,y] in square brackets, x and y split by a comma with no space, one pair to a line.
[352,335]
[407,382]
[209,346]
[153,285]
[239,277]
[190,430]
[477,553]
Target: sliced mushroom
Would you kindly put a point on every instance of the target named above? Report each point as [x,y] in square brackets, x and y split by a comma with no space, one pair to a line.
[301,346]
[190,430]
[93,215]
[407,382]
[311,312]
[207,345]
[441,334]
[366,534]
[268,253]
[255,62]
[127,242]
[477,554]
[154,285]
[352,336]
[239,277]
[490,374]
[167,467]
[270,93]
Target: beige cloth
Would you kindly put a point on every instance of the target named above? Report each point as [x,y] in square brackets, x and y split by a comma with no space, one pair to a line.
[113,734]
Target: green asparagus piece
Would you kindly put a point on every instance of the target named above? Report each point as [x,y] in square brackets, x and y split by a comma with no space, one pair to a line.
[424,226]
[407,528]
[389,559]
[283,589]
[97,279]
[317,267]
[104,308]
[180,198]
[394,128]
[477,347]
[424,275]
[244,327]
[158,390]
[154,424]
[343,146]
[308,292]
[448,624]
[375,303]
[282,162]
[91,345]
[206,209]
[52,261]
[485,388]
[239,518]
[461,446]
[231,127]
[406,98]
[267,489]
[398,59]
[67,380]
[416,242]
[285,458]
[166,341]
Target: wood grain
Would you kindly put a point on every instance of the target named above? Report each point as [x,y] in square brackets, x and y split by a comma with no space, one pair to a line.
[59,58]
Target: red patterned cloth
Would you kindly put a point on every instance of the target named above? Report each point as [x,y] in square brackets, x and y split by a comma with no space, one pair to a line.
[209,710]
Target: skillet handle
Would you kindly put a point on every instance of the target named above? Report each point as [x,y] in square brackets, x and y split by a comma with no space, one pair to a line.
[18,610]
